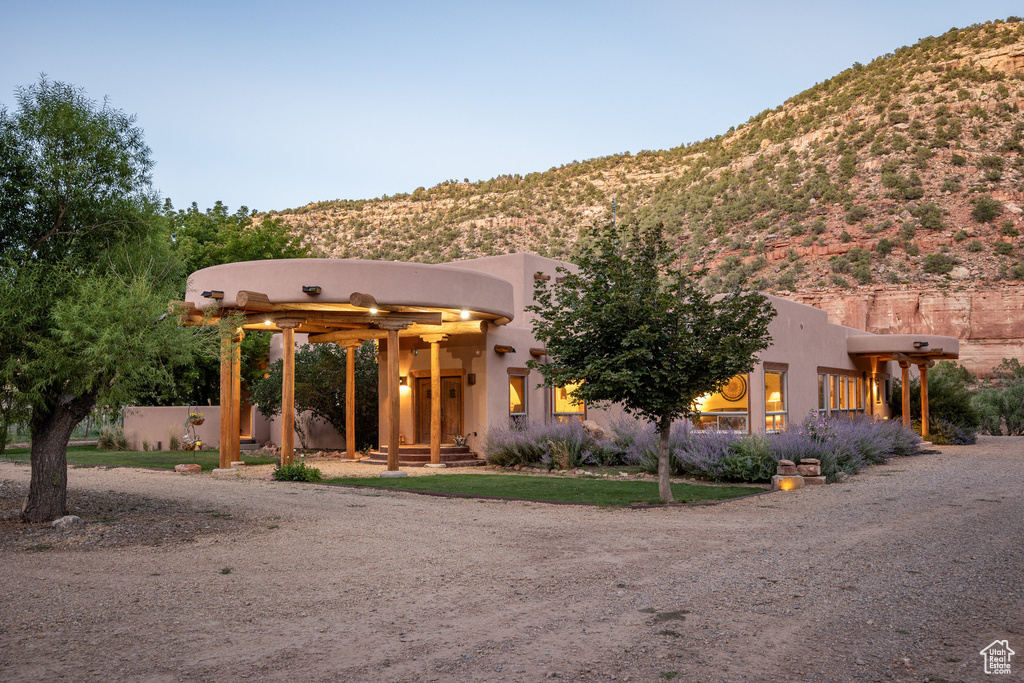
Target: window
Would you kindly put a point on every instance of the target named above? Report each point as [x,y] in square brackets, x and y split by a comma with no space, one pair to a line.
[840,393]
[775,416]
[563,407]
[726,410]
[517,400]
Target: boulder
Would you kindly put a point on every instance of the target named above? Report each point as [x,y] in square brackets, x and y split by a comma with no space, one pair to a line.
[67,523]
[190,468]
[595,430]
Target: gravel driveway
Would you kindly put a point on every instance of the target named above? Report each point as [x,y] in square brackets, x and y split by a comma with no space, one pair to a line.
[903,573]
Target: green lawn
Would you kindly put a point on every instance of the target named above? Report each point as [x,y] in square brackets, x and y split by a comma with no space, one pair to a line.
[568,490]
[90,455]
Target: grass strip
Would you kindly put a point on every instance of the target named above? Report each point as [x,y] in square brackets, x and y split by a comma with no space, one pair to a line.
[90,455]
[567,490]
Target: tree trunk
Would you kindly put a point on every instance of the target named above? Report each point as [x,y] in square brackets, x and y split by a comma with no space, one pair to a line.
[664,488]
[51,431]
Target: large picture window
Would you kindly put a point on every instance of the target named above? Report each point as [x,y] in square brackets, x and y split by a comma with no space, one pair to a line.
[564,407]
[726,410]
[775,413]
[840,394]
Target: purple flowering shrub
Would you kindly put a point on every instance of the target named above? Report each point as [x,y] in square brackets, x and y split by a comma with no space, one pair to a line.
[840,443]
[559,444]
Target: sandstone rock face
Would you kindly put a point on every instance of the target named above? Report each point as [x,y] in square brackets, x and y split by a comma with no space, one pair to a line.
[988,322]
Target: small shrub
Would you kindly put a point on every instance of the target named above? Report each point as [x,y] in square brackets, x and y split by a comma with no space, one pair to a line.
[958,160]
[945,433]
[111,439]
[173,442]
[145,445]
[748,460]
[975,245]
[938,264]
[986,208]
[297,472]
[885,246]
[1004,248]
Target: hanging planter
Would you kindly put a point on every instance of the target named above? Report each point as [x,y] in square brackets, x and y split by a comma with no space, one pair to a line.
[195,418]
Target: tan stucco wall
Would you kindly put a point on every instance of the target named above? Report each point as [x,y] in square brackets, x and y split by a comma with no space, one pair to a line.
[390,282]
[156,424]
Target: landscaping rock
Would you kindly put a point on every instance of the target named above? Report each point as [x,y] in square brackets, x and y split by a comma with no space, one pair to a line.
[814,481]
[808,470]
[787,470]
[67,523]
[190,468]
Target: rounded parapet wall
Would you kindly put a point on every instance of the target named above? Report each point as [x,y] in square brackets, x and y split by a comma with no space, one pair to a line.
[328,284]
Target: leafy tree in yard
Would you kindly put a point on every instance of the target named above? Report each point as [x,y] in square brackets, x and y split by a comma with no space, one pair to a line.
[207,238]
[1001,404]
[949,395]
[633,329]
[320,388]
[85,273]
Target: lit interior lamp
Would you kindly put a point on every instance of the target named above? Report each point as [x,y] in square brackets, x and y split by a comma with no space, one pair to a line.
[465,314]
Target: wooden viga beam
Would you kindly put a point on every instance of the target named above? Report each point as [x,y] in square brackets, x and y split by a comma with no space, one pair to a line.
[414,330]
[254,301]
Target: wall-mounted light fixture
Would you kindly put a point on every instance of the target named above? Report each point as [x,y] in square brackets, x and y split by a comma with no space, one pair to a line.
[920,344]
[311,289]
[471,379]
[403,381]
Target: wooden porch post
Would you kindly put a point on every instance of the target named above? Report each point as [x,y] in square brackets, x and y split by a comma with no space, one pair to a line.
[227,353]
[350,400]
[905,389]
[924,400]
[236,396]
[288,397]
[394,399]
[435,395]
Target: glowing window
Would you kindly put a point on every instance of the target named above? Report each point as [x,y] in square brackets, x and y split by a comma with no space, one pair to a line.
[564,407]
[775,401]
[726,410]
[516,395]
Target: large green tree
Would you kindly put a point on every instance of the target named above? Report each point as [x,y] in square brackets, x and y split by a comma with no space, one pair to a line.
[85,273]
[207,238]
[640,332]
[320,381]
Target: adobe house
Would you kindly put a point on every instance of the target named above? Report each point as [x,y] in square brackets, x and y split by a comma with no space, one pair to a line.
[454,340]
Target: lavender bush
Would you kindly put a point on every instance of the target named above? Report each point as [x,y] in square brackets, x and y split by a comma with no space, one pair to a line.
[560,444]
[840,443]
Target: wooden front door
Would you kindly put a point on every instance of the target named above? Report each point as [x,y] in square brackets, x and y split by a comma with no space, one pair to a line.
[451,409]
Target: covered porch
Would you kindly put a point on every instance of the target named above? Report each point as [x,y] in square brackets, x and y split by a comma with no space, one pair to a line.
[921,351]
[403,307]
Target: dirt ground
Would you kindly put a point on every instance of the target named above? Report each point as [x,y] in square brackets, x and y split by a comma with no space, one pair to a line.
[903,573]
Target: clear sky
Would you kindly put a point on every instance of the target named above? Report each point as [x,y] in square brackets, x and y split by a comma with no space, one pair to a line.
[277,104]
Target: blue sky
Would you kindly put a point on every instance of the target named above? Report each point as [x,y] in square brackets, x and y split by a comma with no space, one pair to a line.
[277,104]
